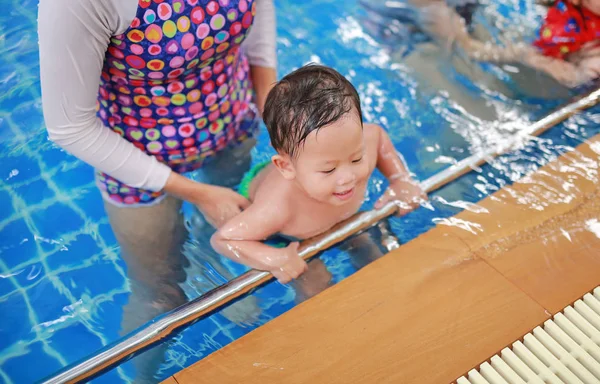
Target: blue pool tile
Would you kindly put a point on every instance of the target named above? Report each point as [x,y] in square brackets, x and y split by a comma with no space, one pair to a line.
[80,174]
[110,314]
[29,275]
[49,246]
[31,55]
[46,221]
[6,141]
[90,199]
[34,192]
[32,367]
[18,87]
[52,304]
[75,342]
[12,19]
[99,278]
[83,247]
[56,157]
[105,231]
[6,208]
[28,119]
[6,286]
[14,322]
[18,169]
[17,244]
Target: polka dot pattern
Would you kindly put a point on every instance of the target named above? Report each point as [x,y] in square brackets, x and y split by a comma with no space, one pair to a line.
[176,85]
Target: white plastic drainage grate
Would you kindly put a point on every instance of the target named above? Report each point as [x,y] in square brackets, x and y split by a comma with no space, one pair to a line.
[565,350]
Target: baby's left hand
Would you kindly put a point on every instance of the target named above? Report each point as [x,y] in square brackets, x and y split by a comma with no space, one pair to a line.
[406,191]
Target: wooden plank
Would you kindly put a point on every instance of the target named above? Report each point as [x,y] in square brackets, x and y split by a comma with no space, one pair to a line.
[425,313]
[542,232]
[170,380]
[554,190]
[555,269]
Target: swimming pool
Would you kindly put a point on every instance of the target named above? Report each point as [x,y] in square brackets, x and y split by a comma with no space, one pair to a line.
[62,283]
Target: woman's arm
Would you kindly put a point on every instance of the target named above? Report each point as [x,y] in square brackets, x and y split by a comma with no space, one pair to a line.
[74,36]
[260,46]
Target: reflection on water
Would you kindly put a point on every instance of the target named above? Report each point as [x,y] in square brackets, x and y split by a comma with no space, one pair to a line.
[62,279]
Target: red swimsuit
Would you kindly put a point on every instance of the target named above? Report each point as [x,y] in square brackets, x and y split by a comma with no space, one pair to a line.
[566,29]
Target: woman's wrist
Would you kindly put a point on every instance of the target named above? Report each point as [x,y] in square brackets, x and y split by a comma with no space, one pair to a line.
[184,188]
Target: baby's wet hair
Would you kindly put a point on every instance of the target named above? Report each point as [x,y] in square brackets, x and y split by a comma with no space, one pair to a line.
[304,101]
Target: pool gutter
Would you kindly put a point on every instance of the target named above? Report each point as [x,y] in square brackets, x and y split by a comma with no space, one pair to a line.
[182,317]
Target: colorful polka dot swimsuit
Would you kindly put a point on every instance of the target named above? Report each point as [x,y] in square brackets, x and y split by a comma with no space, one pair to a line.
[566,29]
[176,84]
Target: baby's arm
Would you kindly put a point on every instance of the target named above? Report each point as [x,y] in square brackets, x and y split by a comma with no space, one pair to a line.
[402,187]
[240,239]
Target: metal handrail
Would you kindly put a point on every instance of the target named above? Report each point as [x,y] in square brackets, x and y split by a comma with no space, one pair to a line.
[166,325]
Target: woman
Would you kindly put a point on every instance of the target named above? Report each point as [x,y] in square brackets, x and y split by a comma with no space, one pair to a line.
[144,91]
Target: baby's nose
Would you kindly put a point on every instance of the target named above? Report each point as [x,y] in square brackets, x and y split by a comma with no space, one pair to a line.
[347,178]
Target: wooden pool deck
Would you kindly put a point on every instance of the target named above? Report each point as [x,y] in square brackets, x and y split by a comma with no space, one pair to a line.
[442,303]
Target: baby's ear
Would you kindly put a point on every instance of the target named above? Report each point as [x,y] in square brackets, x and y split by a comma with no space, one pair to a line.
[283,163]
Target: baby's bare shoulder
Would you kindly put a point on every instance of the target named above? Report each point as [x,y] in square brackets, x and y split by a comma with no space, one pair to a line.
[273,193]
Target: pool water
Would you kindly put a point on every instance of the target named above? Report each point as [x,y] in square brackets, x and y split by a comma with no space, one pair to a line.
[62,282]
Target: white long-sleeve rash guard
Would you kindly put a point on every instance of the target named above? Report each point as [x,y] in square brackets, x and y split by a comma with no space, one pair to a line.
[74,36]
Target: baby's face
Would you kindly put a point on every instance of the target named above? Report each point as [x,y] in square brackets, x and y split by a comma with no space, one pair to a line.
[332,163]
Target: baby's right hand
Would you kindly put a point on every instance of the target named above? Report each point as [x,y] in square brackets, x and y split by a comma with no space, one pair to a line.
[290,266]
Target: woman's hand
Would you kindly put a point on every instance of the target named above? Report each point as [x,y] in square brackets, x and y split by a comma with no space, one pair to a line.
[217,204]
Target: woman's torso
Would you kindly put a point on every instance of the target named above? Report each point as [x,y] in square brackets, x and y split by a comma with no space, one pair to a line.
[176,82]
